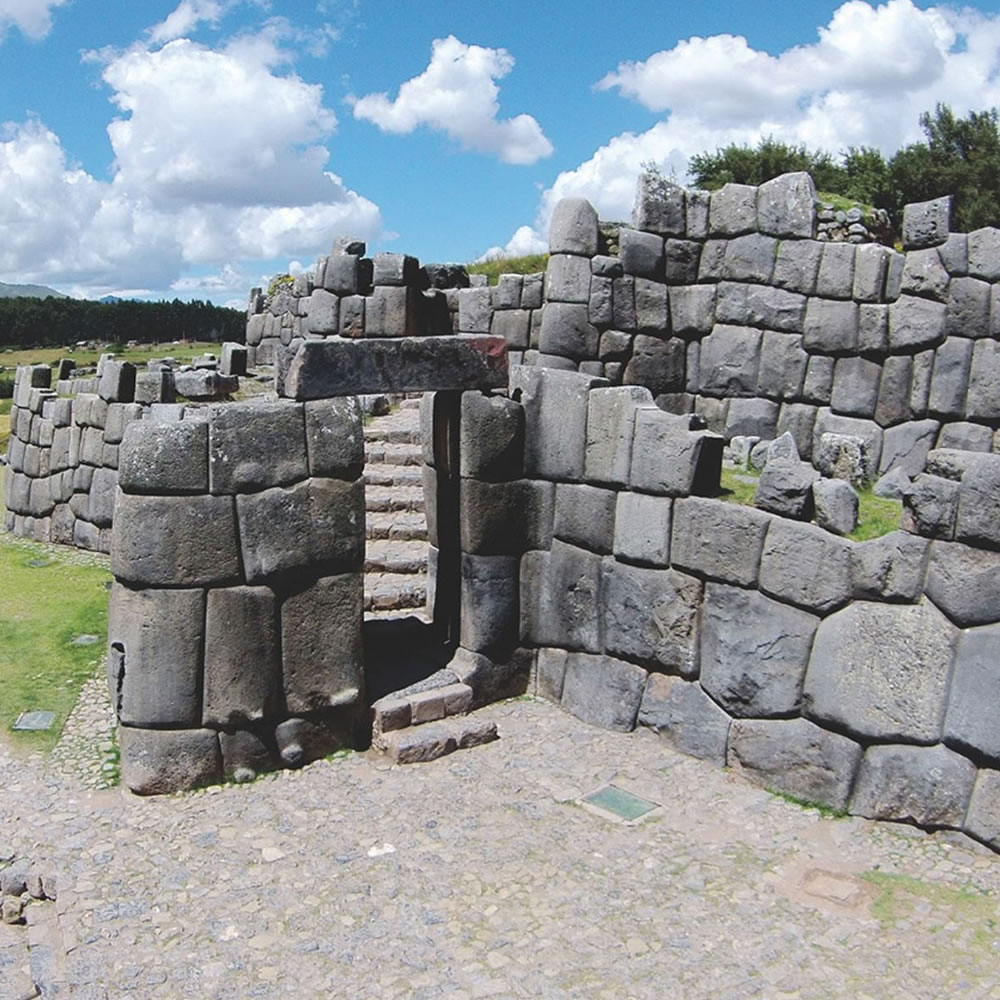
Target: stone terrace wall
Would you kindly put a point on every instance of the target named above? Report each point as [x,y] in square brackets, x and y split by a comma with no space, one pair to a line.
[859,675]
[725,304]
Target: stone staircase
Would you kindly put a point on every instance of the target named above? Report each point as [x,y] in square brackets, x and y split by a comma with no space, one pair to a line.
[396,530]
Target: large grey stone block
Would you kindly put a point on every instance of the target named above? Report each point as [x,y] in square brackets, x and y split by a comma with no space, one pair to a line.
[907,445]
[683,258]
[641,253]
[337,367]
[930,507]
[334,437]
[514,325]
[567,278]
[567,331]
[916,322]
[950,377]
[926,223]
[968,308]
[984,253]
[685,717]
[555,410]
[651,615]
[658,206]
[504,518]
[786,206]
[963,436]
[818,384]
[475,310]
[835,279]
[573,228]
[668,458]
[658,364]
[100,509]
[871,264]
[651,314]
[729,361]
[733,210]
[321,645]
[623,303]
[889,568]
[155,655]
[750,258]
[881,671]
[162,761]
[929,786]
[178,541]
[982,818]
[798,420]
[610,427]
[393,311]
[117,382]
[797,265]
[569,599]
[603,691]
[964,582]
[491,437]
[785,487]
[600,305]
[836,505]
[256,445]
[585,516]
[971,721]
[744,304]
[804,565]
[395,269]
[754,651]
[161,457]
[893,403]
[718,540]
[322,312]
[696,208]
[830,325]
[752,418]
[301,741]
[782,365]
[925,275]
[489,602]
[873,328]
[795,757]
[642,529]
[978,521]
[983,400]
[318,524]
[692,309]
[868,432]
[855,387]
[242,656]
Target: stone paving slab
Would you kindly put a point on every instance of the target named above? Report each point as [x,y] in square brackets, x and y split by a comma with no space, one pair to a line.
[482,875]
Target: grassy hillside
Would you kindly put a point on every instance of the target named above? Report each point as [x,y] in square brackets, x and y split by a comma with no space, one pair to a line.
[29,292]
[509,265]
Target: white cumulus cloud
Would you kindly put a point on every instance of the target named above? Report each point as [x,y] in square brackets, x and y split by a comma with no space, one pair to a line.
[31,17]
[864,81]
[457,94]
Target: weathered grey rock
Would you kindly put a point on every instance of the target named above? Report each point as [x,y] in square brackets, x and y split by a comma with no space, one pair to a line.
[798,419]
[718,540]
[555,411]
[744,304]
[603,691]
[971,721]
[514,325]
[682,261]
[317,524]
[503,518]
[585,516]
[795,757]
[950,378]
[155,655]
[978,519]
[610,426]
[830,325]
[881,671]
[750,258]
[871,263]
[650,616]
[334,437]
[873,327]
[797,265]
[321,647]
[835,279]
[863,459]
[713,253]
[245,755]
[818,383]
[573,228]
[600,305]
[322,312]
[205,384]
[805,565]
[954,253]
[641,254]
[175,541]
[256,445]
[100,509]
[567,278]
[889,568]
[924,274]
[916,322]
[161,457]
[670,459]
[390,311]
[782,365]
[983,400]
[569,598]
[786,206]
[982,818]
[657,364]
[920,383]
[489,595]
[963,436]
[623,303]
[733,210]
[642,529]
[659,205]
[893,403]
[395,269]
[930,786]
[906,446]
[117,382]
[753,418]
[836,505]
[696,208]
[984,253]
[729,360]
[651,314]
[754,651]
[930,507]
[491,437]
[786,487]
[892,485]
[926,223]
[338,367]
[550,672]
[301,741]
[162,761]
[855,387]
[692,309]
[685,717]
[968,308]
[242,657]
[566,330]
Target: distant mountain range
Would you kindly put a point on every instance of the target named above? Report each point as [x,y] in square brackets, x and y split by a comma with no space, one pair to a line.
[29,291]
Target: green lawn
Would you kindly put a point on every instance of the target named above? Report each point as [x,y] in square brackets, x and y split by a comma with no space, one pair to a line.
[48,598]
[50,355]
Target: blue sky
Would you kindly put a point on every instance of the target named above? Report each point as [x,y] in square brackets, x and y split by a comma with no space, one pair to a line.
[190,148]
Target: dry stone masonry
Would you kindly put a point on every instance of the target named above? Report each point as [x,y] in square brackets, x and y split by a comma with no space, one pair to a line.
[574,426]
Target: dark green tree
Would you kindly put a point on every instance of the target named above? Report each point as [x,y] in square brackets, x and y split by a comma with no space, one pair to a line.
[770,158]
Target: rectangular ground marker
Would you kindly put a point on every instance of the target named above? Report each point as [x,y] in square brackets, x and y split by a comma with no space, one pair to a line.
[619,803]
[35,721]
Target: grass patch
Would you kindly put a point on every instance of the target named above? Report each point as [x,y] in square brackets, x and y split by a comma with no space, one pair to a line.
[736,488]
[827,812]
[46,601]
[510,265]
[185,351]
[842,204]
[4,427]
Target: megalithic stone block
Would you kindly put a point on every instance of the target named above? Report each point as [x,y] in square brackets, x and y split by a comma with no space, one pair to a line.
[161,761]
[323,368]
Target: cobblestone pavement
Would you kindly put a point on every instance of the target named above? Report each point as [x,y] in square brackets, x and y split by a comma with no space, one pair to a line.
[482,875]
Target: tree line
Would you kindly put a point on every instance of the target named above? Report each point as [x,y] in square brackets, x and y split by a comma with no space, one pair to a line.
[958,156]
[52,322]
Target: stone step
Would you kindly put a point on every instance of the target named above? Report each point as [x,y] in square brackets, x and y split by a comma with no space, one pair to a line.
[385,498]
[436,739]
[395,591]
[378,474]
[411,403]
[393,453]
[391,556]
[403,526]
[397,614]
[398,433]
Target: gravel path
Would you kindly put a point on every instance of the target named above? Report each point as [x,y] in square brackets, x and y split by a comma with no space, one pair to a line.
[482,875]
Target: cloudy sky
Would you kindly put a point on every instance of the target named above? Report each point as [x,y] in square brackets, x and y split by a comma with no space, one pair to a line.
[192,148]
